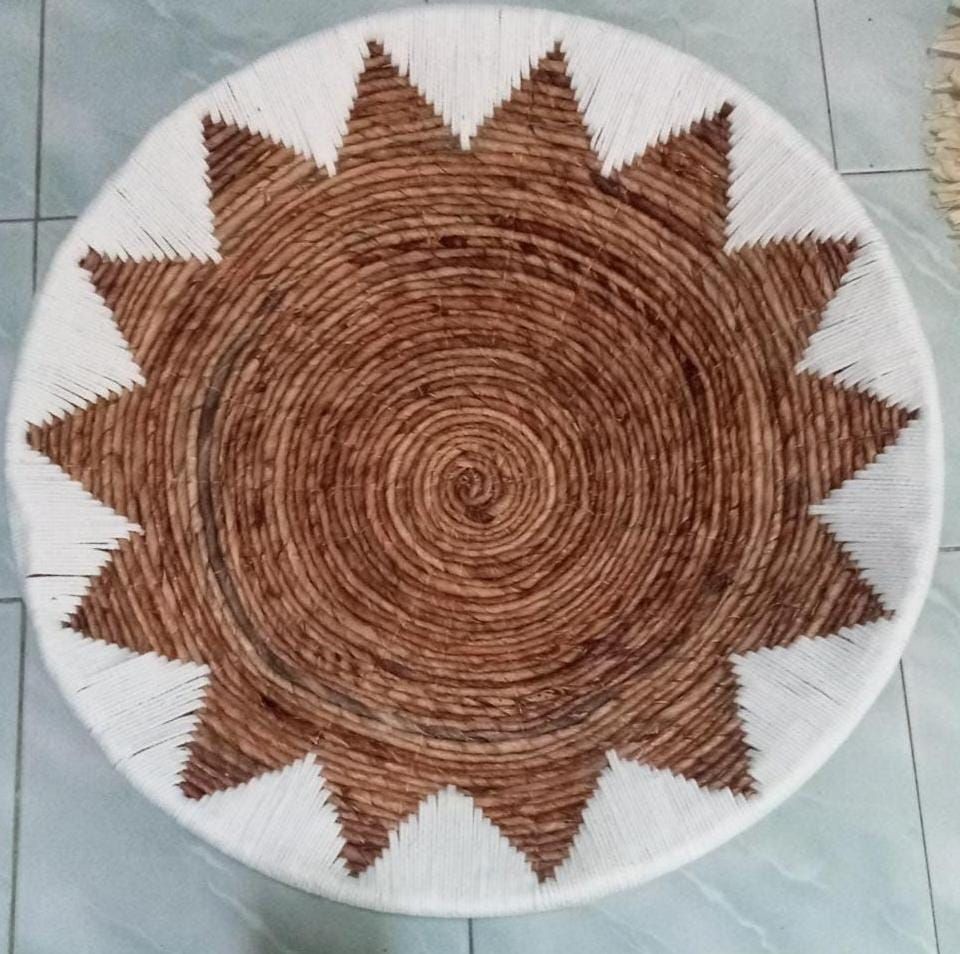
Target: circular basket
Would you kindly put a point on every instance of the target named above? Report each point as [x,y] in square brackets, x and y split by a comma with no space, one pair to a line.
[472,460]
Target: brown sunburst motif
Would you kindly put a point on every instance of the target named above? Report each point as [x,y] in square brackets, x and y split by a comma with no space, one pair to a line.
[468,467]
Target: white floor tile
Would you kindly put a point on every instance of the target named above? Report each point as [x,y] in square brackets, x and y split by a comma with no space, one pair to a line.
[16,265]
[19,53]
[875,52]
[10,625]
[932,670]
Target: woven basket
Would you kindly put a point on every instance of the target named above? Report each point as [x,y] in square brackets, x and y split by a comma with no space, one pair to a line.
[471,460]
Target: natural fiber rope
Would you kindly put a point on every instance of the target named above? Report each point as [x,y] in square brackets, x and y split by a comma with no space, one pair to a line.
[467,467]
[943,144]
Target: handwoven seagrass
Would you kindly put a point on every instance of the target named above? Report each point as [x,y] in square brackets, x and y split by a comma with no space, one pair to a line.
[943,119]
[471,460]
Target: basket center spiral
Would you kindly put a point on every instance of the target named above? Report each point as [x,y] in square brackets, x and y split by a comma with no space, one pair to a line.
[468,467]
[493,457]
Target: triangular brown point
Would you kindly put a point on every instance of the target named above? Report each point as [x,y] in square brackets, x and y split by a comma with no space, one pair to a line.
[541,119]
[243,165]
[390,118]
[682,183]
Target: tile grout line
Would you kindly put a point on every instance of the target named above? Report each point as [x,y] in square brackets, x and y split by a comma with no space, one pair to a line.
[27,219]
[923,831]
[826,84]
[18,765]
[469,920]
[883,172]
[38,141]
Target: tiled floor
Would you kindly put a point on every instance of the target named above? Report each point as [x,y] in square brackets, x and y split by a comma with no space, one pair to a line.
[864,860]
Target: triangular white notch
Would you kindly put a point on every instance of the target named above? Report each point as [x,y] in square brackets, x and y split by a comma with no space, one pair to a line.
[646,819]
[85,359]
[299,96]
[635,92]
[157,205]
[780,187]
[794,697]
[71,532]
[450,855]
[281,822]
[63,535]
[882,515]
[466,60]
[141,708]
[867,336]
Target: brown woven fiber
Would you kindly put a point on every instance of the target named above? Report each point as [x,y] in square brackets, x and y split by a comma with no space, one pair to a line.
[468,467]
